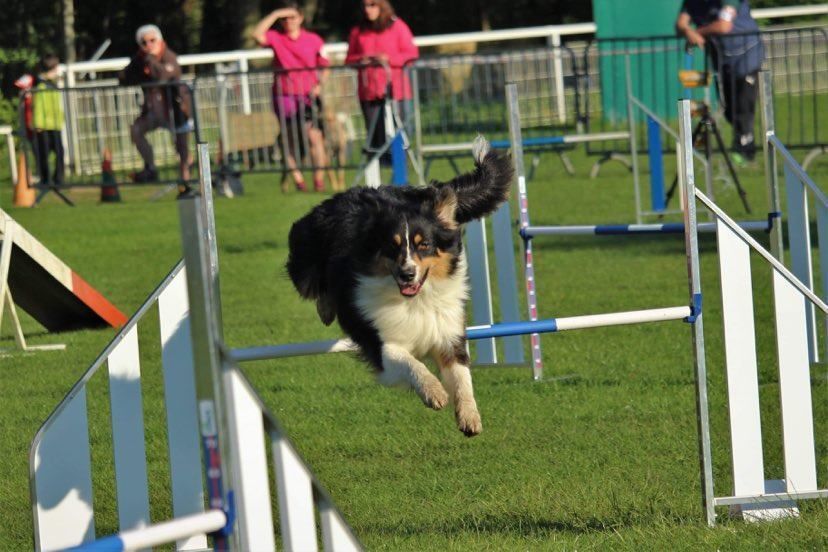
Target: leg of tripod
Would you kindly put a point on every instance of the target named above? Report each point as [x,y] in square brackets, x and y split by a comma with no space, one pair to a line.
[700,127]
[742,194]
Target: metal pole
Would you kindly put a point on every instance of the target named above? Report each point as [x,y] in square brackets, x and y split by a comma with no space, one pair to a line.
[555,41]
[245,86]
[418,124]
[688,187]
[633,142]
[206,339]
[523,210]
[771,169]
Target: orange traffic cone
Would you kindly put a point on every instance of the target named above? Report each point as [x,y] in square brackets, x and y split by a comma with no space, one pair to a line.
[109,188]
[24,195]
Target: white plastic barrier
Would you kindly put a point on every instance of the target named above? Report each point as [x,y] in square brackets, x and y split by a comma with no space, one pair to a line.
[210,406]
[753,497]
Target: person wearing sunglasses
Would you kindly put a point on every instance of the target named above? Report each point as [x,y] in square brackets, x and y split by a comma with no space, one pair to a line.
[165,106]
[297,55]
[381,44]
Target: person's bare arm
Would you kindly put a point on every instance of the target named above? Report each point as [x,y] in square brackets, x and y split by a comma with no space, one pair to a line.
[684,27]
[720,26]
[260,31]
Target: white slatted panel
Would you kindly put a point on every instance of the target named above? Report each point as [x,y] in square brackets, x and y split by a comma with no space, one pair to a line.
[180,402]
[740,355]
[62,473]
[336,536]
[799,243]
[296,511]
[794,386]
[128,433]
[507,280]
[481,288]
[255,520]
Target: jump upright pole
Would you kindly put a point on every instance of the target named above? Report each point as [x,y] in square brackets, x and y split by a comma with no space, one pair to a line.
[687,186]
[523,210]
[202,283]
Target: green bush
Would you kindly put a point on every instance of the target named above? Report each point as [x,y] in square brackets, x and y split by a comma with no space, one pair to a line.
[13,63]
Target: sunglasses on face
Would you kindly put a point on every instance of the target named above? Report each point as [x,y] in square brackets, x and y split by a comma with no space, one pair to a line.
[367,5]
[146,41]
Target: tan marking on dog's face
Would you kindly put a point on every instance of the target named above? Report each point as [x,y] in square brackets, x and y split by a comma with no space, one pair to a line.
[418,238]
[438,266]
[398,239]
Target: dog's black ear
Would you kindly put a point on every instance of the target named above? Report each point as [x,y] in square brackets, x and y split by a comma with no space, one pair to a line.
[445,206]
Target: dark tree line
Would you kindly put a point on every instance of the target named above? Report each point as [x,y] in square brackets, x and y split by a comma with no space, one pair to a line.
[216,25]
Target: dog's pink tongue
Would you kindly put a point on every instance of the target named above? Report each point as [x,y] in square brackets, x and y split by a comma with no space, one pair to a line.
[410,290]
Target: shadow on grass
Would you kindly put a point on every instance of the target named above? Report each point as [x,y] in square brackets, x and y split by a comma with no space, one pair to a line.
[527,526]
[250,248]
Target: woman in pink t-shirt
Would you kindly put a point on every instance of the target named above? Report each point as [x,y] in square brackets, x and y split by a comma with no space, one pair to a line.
[297,54]
[381,38]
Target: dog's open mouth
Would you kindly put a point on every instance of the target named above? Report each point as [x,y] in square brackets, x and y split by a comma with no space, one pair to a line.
[410,289]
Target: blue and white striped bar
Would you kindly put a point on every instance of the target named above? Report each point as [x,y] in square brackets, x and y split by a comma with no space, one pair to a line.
[158,534]
[625,229]
[476,332]
[578,322]
[530,142]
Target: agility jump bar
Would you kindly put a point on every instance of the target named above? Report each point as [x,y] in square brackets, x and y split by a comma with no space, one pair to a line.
[530,142]
[578,322]
[158,534]
[625,229]
[476,332]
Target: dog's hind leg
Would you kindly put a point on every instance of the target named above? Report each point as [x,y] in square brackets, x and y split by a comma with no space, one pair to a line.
[400,366]
[456,375]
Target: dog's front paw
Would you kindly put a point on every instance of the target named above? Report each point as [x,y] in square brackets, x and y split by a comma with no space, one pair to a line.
[433,395]
[468,419]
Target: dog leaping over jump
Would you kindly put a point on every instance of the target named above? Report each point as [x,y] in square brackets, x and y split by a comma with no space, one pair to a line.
[388,264]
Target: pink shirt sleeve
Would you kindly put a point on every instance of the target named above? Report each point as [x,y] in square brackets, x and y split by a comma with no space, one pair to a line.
[273,38]
[354,50]
[406,49]
[321,60]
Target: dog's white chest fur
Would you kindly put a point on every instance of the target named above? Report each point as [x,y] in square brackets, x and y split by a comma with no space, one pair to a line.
[430,320]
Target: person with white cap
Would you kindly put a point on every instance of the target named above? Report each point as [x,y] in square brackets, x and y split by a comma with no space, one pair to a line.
[165,105]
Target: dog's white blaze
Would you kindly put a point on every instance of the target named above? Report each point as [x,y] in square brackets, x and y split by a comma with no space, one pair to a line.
[409,261]
[431,320]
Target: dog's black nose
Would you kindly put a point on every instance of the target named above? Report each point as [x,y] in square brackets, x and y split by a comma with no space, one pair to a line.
[407,274]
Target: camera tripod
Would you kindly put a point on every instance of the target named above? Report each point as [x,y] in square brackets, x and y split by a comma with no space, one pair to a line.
[701,136]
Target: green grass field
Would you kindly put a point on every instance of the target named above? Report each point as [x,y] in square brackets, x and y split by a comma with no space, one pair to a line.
[605,458]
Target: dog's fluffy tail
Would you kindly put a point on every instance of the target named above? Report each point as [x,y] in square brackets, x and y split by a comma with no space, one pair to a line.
[481,191]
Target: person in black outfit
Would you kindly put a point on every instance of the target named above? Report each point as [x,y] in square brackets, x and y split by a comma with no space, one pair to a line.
[736,51]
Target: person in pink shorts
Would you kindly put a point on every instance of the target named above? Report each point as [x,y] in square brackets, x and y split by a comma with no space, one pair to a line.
[297,55]
[381,38]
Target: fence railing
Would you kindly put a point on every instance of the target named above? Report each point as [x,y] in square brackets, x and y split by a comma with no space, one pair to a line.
[454,98]
[797,59]
[550,34]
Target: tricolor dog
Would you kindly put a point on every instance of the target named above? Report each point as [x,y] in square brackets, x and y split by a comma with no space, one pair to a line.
[387,263]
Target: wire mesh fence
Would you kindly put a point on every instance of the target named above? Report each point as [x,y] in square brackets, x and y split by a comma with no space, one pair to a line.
[321,120]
